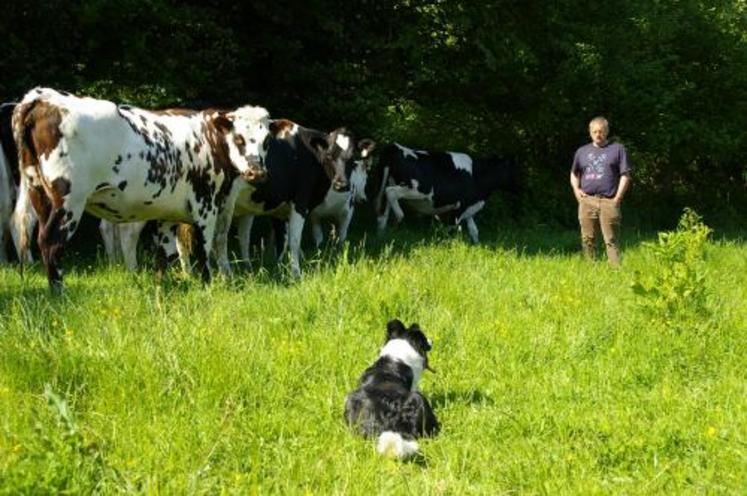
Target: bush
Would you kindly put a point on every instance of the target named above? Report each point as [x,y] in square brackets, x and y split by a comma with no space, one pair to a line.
[673,291]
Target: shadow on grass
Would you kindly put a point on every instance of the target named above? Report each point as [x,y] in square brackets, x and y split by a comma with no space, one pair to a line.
[526,238]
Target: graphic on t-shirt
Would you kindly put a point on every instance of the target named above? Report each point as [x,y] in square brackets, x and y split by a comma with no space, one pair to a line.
[594,169]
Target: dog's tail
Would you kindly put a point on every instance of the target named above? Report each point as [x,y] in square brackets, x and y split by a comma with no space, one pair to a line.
[393,445]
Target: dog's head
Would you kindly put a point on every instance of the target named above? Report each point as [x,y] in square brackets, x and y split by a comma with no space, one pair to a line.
[409,345]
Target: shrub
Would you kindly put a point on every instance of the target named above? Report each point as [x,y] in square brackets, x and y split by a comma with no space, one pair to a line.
[673,290]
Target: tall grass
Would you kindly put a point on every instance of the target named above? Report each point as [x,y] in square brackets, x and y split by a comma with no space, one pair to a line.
[553,377]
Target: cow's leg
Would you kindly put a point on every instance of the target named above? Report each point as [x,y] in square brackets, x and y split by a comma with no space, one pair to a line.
[204,232]
[67,209]
[129,234]
[3,253]
[382,219]
[379,204]
[343,223]
[4,228]
[244,225]
[472,230]
[108,235]
[392,196]
[468,215]
[280,229]
[165,241]
[222,228]
[316,230]
[295,229]
[40,203]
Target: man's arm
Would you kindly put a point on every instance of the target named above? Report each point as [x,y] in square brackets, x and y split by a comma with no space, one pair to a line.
[577,192]
[622,188]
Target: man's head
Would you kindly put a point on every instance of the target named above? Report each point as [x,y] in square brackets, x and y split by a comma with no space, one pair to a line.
[599,128]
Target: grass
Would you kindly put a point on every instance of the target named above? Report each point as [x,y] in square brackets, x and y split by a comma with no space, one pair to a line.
[552,378]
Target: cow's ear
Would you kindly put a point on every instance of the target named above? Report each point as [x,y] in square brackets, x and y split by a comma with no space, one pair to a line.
[319,146]
[366,147]
[222,122]
[316,143]
[394,329]
[280,128]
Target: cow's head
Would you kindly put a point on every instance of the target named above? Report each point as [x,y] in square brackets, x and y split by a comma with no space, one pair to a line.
[358,169]
[247,133]
[333,151]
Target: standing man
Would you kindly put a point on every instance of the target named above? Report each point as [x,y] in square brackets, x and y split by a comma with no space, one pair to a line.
[600,176]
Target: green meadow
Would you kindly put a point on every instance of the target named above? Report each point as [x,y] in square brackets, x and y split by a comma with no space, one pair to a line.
[554,375]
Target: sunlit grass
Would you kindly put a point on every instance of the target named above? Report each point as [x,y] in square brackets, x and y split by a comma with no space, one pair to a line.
[550,378]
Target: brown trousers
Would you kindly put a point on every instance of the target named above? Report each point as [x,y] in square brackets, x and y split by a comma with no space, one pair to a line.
[602,212]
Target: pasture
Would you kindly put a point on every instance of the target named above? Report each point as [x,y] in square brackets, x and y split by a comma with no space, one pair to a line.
[553,375]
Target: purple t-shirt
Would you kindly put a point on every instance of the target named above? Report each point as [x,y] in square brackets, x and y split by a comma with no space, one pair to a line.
[600,168]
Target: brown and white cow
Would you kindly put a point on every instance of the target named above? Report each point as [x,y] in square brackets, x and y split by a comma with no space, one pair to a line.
[123,164]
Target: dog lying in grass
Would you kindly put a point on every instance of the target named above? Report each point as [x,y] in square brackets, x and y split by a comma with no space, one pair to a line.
[387,403]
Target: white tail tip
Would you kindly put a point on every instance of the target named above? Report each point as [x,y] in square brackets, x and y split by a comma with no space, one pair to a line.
[392,444]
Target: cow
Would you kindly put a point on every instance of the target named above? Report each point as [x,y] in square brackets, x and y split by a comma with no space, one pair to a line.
[321,175]
[434,183]
[6,184]
[310,174]
[124,164]
[120,241]
[16,219]
[340,205]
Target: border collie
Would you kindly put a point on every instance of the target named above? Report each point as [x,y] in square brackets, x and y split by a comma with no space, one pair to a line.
[387,403]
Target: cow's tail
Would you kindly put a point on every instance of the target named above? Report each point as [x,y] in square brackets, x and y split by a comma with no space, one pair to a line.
[22,128]
[23,218]
[393,445]
[185,236]
[22,223]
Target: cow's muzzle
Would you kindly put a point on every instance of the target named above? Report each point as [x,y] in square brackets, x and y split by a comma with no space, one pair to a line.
[255,174]
[340,183]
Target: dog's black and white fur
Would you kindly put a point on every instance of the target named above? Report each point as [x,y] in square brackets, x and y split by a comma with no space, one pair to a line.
[387,403]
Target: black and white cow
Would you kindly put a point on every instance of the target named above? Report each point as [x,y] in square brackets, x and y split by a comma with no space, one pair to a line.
[7,185]
[433,183]
[16,214]
[310,174]
[124,164]
[340,205]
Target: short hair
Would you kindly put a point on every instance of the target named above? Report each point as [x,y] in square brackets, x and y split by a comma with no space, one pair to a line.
[600,120]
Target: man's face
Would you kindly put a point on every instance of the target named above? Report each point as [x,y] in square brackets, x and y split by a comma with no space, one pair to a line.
[598,132]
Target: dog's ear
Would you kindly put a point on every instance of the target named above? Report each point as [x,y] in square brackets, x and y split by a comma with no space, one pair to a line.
[418,334]
[394,329]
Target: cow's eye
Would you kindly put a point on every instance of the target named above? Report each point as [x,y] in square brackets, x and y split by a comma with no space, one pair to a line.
[239,140]
[252,141]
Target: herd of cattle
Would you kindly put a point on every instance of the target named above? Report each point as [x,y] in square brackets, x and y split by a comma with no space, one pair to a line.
[63,155]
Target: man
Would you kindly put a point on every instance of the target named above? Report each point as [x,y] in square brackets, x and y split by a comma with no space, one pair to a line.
[600,176]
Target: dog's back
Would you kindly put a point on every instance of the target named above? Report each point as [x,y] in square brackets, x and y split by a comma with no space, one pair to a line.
[386,404]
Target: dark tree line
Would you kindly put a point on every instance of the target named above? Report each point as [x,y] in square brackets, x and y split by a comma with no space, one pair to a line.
[507,76]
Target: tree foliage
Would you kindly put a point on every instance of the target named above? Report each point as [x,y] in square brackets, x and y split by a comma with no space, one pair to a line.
[493,77]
